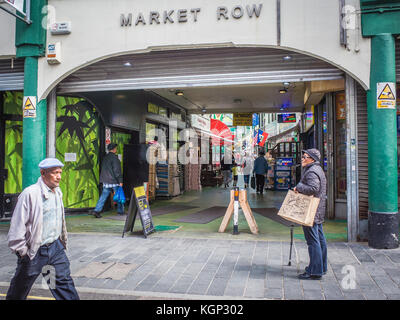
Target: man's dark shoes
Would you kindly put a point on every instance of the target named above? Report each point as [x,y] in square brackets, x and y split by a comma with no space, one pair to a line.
[306,276]
[96,214]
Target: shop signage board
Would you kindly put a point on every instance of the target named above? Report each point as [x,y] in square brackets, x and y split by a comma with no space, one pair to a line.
[242,119]
[287,118]
[139,204]
[256,120]
[200,122]
[29,107]
[386,95]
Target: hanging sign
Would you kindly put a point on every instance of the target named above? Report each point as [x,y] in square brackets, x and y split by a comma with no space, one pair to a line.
[386,95]
[29,107]
[242,119]
[142,206]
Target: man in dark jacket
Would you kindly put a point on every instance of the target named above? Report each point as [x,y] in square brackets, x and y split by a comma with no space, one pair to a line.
[313,182]
[260,169]
[111,178]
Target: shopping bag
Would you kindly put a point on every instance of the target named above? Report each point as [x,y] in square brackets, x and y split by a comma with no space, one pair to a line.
[119,196]
[253,182]
[299,208]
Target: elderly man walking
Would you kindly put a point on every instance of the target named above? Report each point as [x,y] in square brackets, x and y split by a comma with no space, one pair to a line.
[313,182]
[38,236]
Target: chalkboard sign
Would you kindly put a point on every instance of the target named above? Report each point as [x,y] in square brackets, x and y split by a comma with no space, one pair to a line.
[139,204]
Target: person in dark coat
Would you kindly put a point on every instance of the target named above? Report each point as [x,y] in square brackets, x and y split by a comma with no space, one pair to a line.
[313,182]
[111,178]
[260,169]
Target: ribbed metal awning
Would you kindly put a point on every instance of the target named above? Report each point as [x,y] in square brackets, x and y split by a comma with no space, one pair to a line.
[11,74]
[198,68]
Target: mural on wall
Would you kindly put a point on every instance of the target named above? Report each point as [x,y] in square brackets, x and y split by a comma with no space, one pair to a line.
[77,146]
[120,139]
[12,102]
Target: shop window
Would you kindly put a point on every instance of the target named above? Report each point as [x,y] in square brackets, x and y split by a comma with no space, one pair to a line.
[150,127]
[177,116]
[152,108]
[163,111]
[120,139]
[340,146]
[12,102]
[77,146]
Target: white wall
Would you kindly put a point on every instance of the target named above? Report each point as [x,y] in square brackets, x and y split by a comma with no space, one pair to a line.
[7,35]
[308,26]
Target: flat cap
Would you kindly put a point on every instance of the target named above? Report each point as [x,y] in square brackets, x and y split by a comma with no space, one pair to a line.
[314,154]
[50,163]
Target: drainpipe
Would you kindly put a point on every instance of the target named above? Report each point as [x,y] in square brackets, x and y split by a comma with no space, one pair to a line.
[383,220]
[30,41]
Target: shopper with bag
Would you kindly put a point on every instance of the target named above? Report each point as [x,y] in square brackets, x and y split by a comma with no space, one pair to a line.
[313,182]
[111,178]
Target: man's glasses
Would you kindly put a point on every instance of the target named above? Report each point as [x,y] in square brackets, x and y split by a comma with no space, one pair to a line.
[305,157]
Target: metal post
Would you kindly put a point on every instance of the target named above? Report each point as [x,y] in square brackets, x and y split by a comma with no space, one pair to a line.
[291,245]
[236,211]
[351,161]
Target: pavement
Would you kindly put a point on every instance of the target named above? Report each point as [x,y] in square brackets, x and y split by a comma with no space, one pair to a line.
[166,267]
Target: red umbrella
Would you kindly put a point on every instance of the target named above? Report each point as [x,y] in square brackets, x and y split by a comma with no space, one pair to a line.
[220,129]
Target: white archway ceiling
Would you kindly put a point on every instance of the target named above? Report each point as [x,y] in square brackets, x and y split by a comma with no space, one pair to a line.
[211,78]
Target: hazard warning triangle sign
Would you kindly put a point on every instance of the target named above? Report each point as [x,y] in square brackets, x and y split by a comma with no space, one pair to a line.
[387,93]
[29,107]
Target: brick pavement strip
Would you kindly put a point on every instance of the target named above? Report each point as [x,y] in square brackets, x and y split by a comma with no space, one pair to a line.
[232,268]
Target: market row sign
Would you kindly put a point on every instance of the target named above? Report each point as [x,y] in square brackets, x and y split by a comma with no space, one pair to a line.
[188,15]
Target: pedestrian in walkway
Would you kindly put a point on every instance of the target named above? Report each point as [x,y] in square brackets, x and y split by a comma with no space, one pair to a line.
[260,169]
[247,166]
[38,236]
[226,169]
[111,178]
[313,182]
[235,173]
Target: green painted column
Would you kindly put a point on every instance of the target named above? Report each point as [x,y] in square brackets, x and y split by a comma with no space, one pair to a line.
[30,41]
[34,129]
[383,221]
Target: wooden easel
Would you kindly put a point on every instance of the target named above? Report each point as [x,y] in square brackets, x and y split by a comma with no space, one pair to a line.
[246,210]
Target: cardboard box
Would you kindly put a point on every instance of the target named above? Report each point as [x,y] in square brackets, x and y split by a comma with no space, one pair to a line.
[299,208]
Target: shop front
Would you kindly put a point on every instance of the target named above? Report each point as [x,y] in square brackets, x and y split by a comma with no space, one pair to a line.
[223,59]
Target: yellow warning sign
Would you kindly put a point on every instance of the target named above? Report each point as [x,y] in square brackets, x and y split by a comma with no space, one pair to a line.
[386,95]
[29,107]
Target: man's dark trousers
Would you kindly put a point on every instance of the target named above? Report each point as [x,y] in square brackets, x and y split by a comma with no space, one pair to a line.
[28,271]
[260,181]
[317,250]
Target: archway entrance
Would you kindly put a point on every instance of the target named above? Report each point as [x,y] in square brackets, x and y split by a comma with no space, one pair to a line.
[143,90]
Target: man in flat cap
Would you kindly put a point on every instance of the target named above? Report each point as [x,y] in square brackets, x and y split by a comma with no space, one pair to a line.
[111,178]
[313,182]
[38,236]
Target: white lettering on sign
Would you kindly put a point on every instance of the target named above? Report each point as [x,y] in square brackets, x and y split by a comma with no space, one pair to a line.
[188,15]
